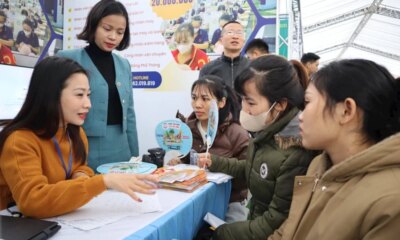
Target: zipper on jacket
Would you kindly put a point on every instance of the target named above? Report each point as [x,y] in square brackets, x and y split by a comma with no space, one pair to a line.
[249,177]
[316,180]
[251,165]
[232,78]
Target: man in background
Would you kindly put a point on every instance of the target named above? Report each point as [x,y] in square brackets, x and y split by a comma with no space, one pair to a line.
[231,63]
[310,61]
[256,48]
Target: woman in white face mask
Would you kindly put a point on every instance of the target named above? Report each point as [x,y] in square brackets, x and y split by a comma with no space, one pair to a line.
[351,191]
[272,90]
[27,41]
[188,56]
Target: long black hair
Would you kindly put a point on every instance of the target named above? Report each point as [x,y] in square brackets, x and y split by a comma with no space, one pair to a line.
[219,90]
[41,111]
[103,9]
[371,86]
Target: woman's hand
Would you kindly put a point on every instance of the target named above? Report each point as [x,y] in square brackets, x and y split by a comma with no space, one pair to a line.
[174,161]
[79,174]
[204,160]
[131,183]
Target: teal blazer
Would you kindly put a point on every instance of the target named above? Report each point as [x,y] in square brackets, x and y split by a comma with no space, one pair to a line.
[96,121]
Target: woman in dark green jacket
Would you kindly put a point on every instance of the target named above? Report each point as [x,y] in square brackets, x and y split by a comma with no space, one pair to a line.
[272,90]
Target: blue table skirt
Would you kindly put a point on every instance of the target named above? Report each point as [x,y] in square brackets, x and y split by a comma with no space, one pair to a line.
[184,221]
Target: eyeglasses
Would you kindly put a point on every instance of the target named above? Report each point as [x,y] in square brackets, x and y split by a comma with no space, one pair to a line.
[231,33]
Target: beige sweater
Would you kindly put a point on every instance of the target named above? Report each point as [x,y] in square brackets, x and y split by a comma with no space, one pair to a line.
[358,198]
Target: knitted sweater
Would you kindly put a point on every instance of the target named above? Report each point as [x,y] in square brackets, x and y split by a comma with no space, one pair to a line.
[31,174]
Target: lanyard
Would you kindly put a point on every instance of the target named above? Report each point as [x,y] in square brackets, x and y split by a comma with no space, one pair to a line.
[67,171]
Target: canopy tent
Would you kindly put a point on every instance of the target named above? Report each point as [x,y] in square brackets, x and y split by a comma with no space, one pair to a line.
[367,29]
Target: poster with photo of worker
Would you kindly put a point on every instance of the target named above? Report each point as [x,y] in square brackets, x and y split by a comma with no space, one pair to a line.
[24,32]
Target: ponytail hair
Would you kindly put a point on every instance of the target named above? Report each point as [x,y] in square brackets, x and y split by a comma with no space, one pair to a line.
[276,79]
[371,86]
[301,73]
[220,90]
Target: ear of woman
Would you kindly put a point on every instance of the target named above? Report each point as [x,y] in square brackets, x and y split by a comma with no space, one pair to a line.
[281,105]
[222,103]
[279,108]
[348,112]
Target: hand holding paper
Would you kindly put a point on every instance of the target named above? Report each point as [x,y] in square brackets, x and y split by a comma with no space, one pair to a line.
[204,160]
[213,220]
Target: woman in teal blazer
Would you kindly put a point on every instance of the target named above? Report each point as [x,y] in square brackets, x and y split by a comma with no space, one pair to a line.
[111,123]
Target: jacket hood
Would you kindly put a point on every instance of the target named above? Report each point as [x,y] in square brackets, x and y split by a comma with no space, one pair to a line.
[384,154]
[285,131]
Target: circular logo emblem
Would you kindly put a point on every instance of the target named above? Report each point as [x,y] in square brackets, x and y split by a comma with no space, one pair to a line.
[264,170]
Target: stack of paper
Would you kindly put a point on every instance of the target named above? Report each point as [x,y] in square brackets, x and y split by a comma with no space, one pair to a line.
[185,180]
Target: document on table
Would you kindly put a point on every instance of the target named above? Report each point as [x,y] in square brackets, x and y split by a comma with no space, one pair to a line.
[109,207]
[217,177]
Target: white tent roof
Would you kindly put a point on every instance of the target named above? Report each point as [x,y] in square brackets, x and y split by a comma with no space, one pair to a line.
[353,29]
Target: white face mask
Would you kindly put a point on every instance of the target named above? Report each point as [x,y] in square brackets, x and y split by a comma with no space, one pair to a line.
[255,123]
[27,33]
[196,30]
[183,48]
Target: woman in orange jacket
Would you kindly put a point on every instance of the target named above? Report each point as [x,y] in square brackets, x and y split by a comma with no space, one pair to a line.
[43,150]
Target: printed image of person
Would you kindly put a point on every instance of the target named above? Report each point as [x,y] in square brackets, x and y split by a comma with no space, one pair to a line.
[233,9]
[200,35]
[27,41]
[6,56]
[6,34]
[201,9]
[4,4]
[186,54]
[216,45]
[111,125]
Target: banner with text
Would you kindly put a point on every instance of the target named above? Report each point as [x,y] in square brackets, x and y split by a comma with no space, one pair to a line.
[160,31]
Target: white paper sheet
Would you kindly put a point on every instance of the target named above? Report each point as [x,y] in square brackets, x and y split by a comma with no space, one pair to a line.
[213,220]
[109,207]
[217,177]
